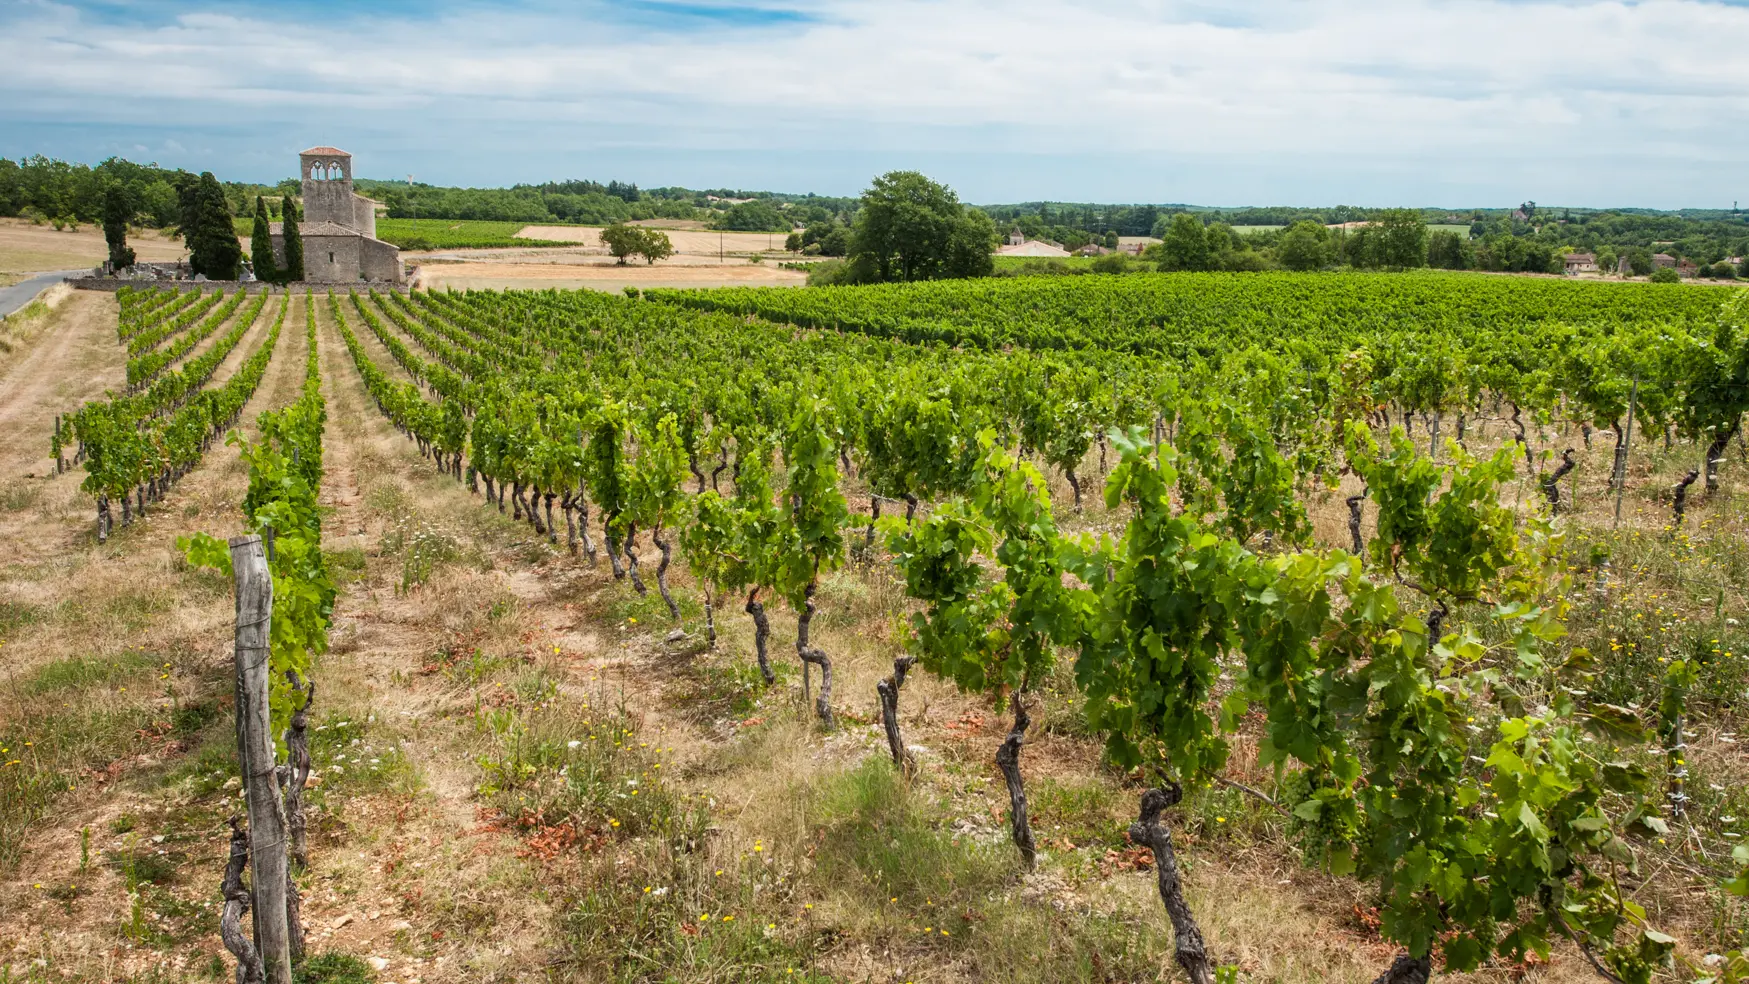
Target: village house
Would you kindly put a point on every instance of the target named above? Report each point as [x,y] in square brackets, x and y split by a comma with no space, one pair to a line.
[1032,247]
[1579,263]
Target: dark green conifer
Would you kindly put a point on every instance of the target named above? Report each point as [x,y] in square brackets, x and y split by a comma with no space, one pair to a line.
[294,243]
[261,245]
[118,209]
[212,243]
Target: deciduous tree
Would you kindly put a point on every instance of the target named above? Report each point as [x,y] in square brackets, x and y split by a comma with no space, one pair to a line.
[623,241]
[912,228]
[1305,246]
[1186,245]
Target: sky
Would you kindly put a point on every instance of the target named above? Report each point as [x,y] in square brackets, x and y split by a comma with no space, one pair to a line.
[1454,103]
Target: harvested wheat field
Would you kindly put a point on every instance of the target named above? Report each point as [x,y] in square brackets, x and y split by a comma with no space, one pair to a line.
[687,242]
[697,263]
[28,248]
[485,270]
[569,720]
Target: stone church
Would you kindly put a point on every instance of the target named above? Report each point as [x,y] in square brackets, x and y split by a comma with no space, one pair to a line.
[339,227]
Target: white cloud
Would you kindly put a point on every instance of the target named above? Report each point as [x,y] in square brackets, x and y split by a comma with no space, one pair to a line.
[1429,83]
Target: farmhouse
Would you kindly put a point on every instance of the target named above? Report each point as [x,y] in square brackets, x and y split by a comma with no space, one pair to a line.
[1580,263]
[339,227]
[1032,247]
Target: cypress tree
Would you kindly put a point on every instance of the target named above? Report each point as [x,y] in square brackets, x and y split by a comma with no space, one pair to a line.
[187,206]
[294,242]
[212,243]
[261,245]
[118,208]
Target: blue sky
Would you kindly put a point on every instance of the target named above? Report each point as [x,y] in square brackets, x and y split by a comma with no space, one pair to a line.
[1428,102]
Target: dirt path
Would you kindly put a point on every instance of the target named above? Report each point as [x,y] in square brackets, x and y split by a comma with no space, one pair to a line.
[75,360]
[449,863]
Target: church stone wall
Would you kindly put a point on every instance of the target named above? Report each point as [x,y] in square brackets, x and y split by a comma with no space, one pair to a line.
[345,259]
[379,261]
[334,259]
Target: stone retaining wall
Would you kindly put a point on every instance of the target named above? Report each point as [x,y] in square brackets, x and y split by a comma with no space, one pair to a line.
[252,286]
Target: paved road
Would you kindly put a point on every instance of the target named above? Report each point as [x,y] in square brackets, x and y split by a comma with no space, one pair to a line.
[19,294]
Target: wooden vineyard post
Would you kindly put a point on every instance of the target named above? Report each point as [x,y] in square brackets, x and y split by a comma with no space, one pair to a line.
[267,826]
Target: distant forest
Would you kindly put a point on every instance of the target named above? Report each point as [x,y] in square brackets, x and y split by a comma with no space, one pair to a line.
[51,190]
[1702,235]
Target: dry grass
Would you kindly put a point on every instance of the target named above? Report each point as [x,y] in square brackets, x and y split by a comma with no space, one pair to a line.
[27,248]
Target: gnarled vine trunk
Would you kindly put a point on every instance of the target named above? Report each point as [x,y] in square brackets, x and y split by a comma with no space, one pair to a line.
[631,555]
[1151,832]
[1008,760]
[1680,503]
[1618,471]
[710,617]
[874,516]
[295,774]
[1354,508]
[613,548]
[761,635]
[888,691]
[1715,453]
[1523,440]
[582,504]
[250,969]
[1407,970]
[1552,484]
[662,573]
[567,505]
[813,655]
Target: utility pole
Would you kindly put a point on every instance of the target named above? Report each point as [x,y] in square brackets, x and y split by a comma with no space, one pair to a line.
[412,203]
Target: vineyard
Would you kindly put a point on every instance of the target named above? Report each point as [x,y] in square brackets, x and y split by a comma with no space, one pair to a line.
[1206,627]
